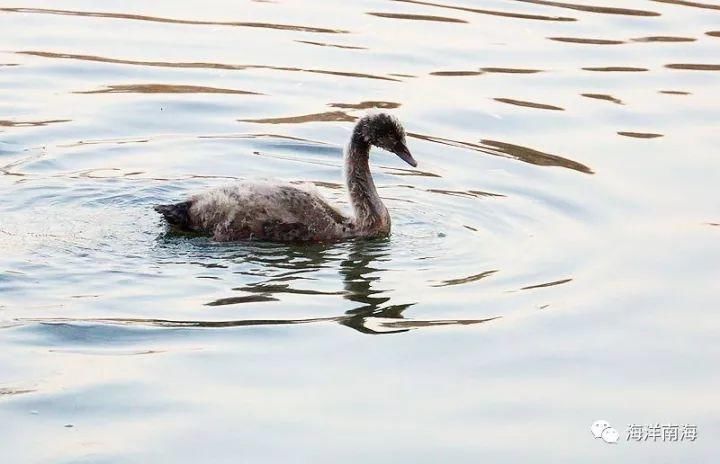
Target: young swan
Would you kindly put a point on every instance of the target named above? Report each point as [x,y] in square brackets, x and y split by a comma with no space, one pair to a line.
[281,212]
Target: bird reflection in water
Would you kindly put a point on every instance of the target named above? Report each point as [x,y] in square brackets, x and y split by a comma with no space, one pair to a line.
[358,277]
[280,267]
[359,263]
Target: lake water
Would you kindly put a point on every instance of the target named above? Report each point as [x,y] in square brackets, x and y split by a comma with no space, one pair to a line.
[554,260]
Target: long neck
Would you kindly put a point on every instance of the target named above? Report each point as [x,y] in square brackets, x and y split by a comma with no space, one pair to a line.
[371,216]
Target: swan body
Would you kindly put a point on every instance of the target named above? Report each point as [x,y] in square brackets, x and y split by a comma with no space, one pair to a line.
[282,212]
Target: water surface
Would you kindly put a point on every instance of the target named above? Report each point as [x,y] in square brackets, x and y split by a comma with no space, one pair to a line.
[553,261]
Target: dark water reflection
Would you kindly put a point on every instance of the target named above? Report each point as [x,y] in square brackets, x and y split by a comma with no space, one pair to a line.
[134,17]
[594,8]
[506,14]
[278,272]
[195,65]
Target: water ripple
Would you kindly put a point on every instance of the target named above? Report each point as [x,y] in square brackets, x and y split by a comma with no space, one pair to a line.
[166,88]
[601,96]
[241,299]
[9,123]
[456,73]
[664,38]
[691,4]
[416,17]
[506,14]
[529,104]
[155,19]
[580,40]
[510,70]
[640,135]
[533,156]
[547,284]
[694,66]
[615,69]
[465,280]
[323,44]
[196,65]
[593,8]
[364,323]
[7,391]
[315,117]
[366,105]
[509,150]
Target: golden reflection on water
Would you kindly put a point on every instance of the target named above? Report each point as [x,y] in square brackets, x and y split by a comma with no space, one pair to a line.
[640,135]
[315,117]
[615,69]
[593,8]
[14,391]
[463,193]
[547,284]
[694,66]
[529,104]
[197,65]
[601,96]
[456,73]
[366,105]
[508,150]
[506,14]
[323,44]
[492,147]
[653,38]
[690,4]
[465,280]
[390,321]
[134,17]
[7,123]
[415,17]
[664,38]
[580,40]
[166,88]
[510,70]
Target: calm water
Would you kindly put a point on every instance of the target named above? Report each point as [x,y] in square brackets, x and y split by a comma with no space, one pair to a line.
[554,258]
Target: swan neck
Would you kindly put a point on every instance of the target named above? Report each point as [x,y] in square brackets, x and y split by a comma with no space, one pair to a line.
[371,216]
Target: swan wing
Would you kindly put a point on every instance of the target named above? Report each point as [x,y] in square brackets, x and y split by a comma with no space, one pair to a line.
[268,211]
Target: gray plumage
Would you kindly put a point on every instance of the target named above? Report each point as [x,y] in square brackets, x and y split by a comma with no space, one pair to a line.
[282,212]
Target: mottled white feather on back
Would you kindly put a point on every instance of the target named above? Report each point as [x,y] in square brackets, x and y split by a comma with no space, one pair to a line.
[267,210]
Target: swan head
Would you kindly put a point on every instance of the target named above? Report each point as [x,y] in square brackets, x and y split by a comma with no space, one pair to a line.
[386,132]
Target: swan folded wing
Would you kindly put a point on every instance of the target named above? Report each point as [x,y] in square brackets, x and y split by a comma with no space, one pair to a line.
[278,212]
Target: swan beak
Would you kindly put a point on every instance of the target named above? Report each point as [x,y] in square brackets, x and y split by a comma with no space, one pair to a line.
[404,153]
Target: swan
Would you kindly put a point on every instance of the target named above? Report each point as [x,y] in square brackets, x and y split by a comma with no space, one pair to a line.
[282,212]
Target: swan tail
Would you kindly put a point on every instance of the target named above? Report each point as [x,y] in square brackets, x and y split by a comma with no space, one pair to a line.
[177,215]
